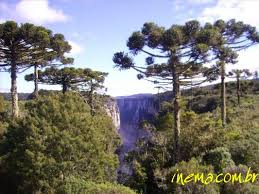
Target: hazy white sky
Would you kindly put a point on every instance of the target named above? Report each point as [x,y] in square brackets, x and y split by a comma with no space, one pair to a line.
[97,29]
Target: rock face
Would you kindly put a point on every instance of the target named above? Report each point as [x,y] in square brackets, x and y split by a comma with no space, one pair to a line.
[112,110]
[127,112]
[133,110]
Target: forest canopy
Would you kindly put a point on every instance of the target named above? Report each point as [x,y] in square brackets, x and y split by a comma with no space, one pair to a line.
[68,141]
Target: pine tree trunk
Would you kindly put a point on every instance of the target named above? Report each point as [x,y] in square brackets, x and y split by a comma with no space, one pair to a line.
[14,94]
[223,95]
[91,103]
[177,124]
[238,90]
[64,87]
[36,82]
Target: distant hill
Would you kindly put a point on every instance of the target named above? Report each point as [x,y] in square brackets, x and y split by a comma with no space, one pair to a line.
[21,96]
[248,87]
[135,96]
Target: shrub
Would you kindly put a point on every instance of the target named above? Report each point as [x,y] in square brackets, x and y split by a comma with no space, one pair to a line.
[58,138]
[187,168]
[78,186]
[219,158]
[237,188]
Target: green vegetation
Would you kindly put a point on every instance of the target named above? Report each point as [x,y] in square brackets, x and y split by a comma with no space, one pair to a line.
[206,147]
[76,186]
[85,81]
[58,138]
[26,45]
[239,74]
[176,57]
[65,142]
[3,115]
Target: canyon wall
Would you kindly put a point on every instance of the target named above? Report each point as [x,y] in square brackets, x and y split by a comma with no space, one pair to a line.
[133,110]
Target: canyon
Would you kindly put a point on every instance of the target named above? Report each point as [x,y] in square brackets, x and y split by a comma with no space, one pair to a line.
[127,112]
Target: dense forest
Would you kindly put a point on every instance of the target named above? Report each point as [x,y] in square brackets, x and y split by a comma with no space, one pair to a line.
[64,141]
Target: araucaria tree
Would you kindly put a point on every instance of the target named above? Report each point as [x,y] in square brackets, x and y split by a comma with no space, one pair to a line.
[51,54]
[236,36]
[66,77]
[256,75]
[239,74]
[23,46]
[93,83]
[85,81]
[180,52]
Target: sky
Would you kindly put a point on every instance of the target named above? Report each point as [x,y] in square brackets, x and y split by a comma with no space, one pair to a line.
[96,29]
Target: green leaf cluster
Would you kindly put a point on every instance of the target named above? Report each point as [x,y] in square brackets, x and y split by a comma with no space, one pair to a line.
[78,186]
[56,139]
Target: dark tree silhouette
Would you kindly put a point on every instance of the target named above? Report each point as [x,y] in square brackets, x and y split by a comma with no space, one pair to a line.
[236,36]
[23,46]
[180,52]
[239,74]
[84,81]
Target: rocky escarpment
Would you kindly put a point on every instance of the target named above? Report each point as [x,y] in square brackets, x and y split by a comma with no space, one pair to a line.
[133,110]
[112,110]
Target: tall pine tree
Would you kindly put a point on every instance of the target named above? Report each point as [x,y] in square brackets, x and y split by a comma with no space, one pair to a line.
[85,81]
[236,36]
[180,52]
[239,74]
[23,46]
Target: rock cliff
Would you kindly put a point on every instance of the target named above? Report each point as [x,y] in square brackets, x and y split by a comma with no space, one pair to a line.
[133,110]
[112,110]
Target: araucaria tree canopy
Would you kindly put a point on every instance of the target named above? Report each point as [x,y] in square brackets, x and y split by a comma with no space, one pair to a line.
[26,45]
[85,81]
[176,56]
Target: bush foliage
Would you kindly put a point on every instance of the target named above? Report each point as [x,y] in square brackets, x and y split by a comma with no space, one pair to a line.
[56,139]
